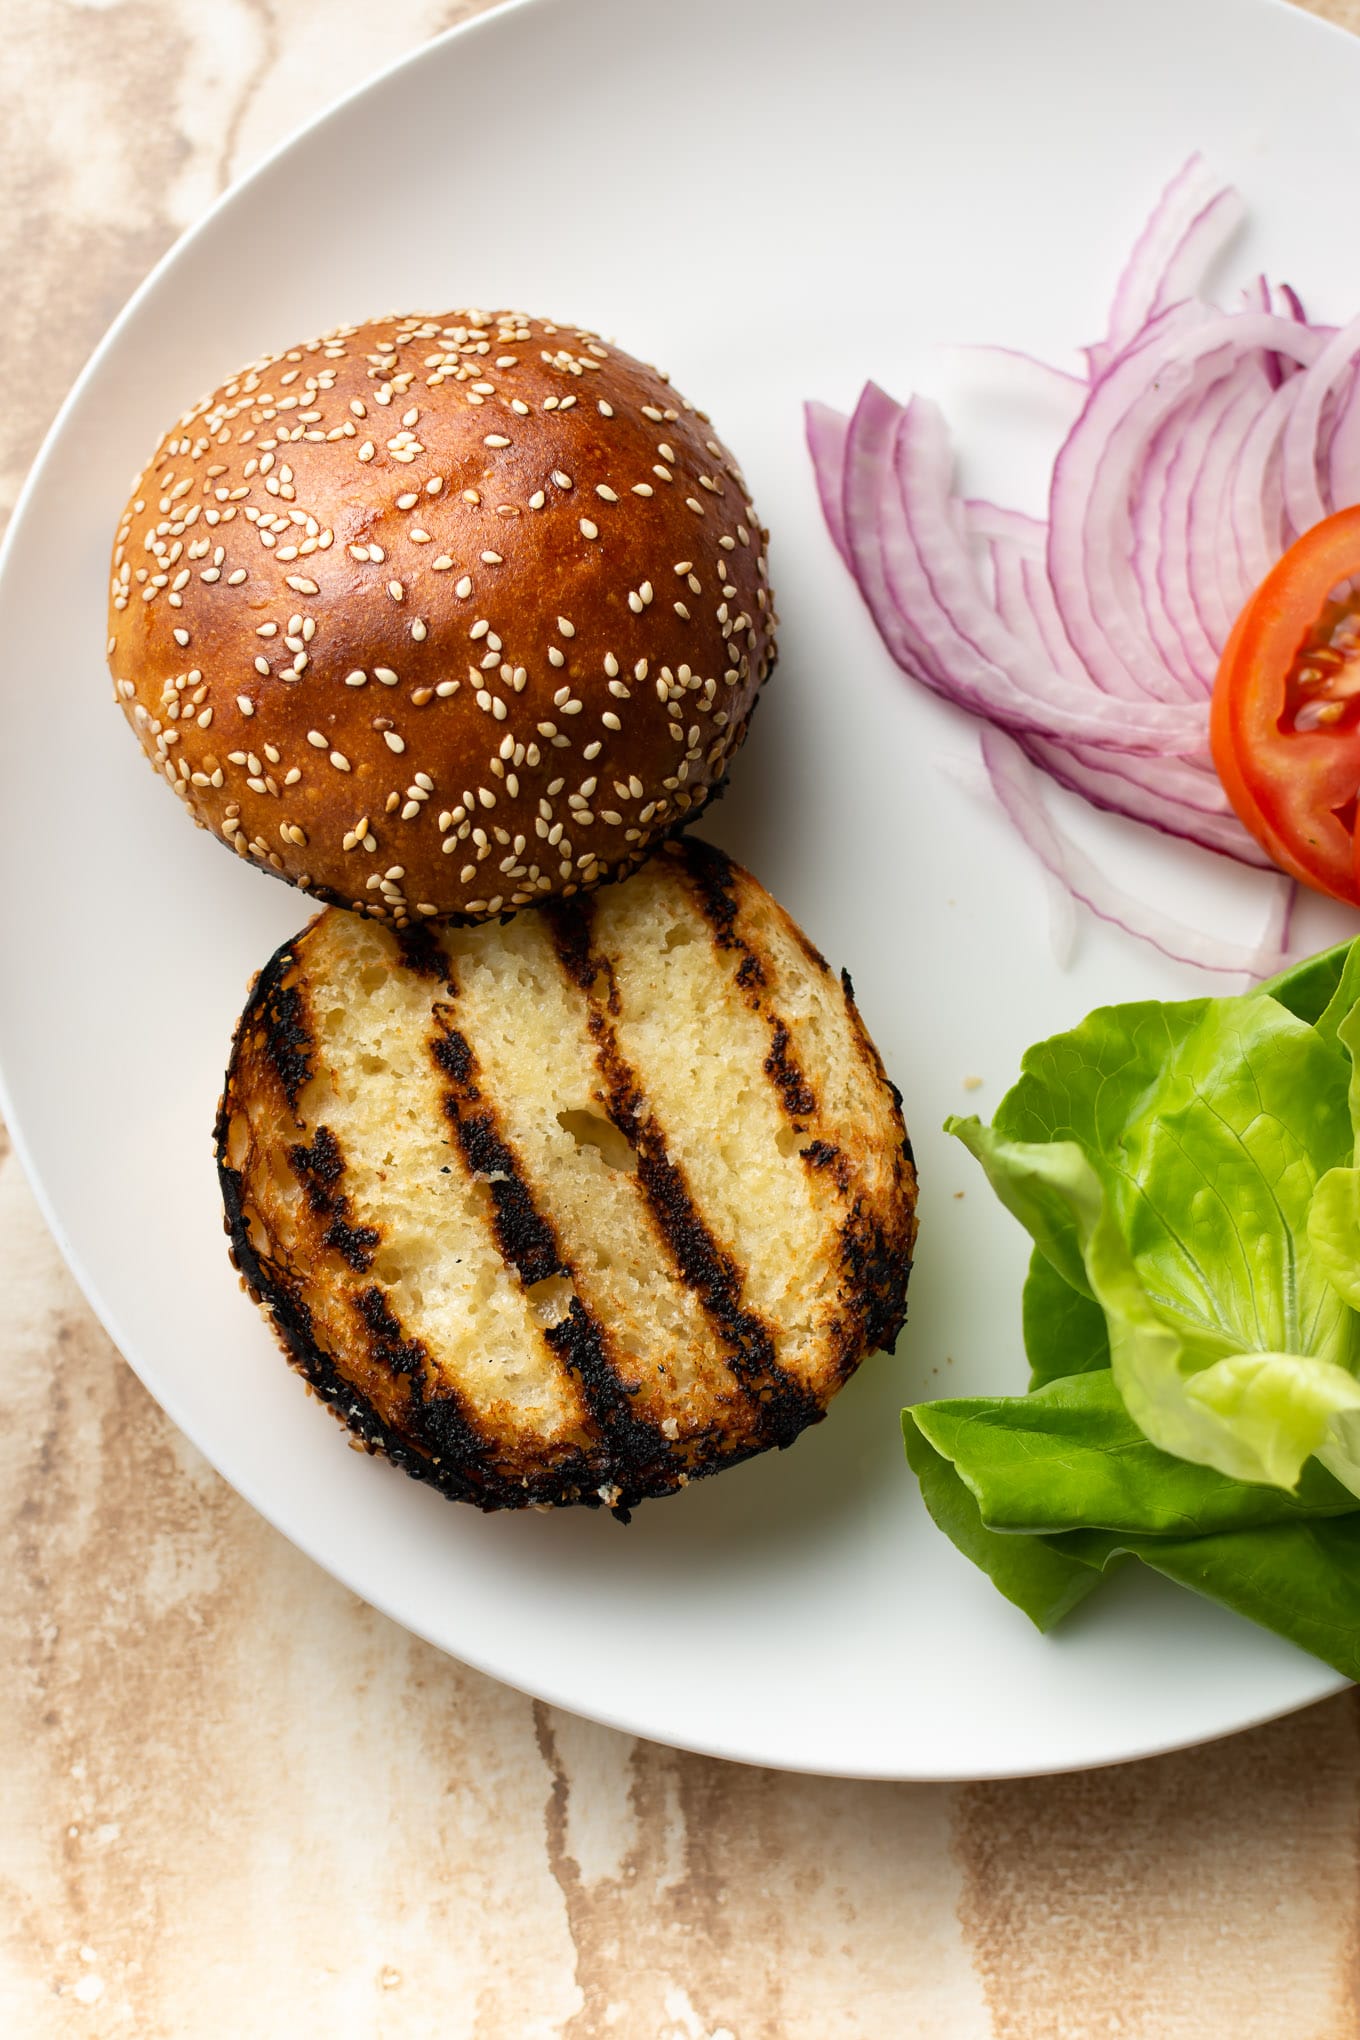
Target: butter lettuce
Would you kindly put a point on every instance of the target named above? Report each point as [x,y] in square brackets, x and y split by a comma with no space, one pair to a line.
[1188,1173]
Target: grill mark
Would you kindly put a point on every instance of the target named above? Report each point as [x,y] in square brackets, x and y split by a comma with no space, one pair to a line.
[387,1340]
[867,1251]
[824,1154]
[319,1168]
[293,1323]
[710,873]
[281,1012]
[529,1244]
[781,1406]
[421,953]
[796,1094]
[875,1264]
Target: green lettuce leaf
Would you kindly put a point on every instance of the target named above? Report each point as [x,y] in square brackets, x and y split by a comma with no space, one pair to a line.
[1301,1580]
[1064,1330]
[1179,1149]
[1044,1583]
[1309,987]
[1190,1175]
[1070,1457]
[1288,1562]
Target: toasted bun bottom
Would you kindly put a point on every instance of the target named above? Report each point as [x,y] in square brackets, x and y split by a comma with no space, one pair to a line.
[575,1208]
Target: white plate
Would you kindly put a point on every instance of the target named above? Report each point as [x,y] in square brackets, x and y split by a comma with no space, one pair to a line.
[774,200]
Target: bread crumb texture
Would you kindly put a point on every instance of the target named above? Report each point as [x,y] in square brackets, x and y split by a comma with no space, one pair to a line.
[574,1207]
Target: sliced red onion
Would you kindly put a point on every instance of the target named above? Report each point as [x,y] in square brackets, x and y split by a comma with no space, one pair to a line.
[1204,442]
[1194,624]
[1218,584]
[934,582]
[1018,788]
[1139,294]
[1188,802]
[1343,454]
[1303,499]
[826,432]
[1090,535]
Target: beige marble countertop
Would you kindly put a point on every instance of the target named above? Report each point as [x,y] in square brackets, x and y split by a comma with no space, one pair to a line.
[238,1803]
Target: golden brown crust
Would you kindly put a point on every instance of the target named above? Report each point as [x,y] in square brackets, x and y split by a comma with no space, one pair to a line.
[440,616]
[637,1388]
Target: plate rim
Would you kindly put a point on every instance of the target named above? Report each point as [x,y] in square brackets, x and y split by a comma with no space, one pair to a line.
[490,21]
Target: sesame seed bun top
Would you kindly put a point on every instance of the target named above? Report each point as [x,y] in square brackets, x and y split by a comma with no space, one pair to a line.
[437,616]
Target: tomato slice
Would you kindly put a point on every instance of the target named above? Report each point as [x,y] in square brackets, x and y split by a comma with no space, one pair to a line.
[1284,726]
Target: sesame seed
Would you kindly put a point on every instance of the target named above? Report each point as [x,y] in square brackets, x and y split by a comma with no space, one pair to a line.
[262,665]
[492,559]
[357,678]
[235,579]
[302,585]
[556,657]
[442,564]
[407,502]
[245,704]
[181,637]
[418,630]
[340,761]
[566,627]
[588,529]
[605,493]
[385,676]
[563,481]
[393,741]
[463,588]
[320,743]
[366,450]
[396,591]
[537,500]
[692,504]
[610,720]
[642,489]
[495,439]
